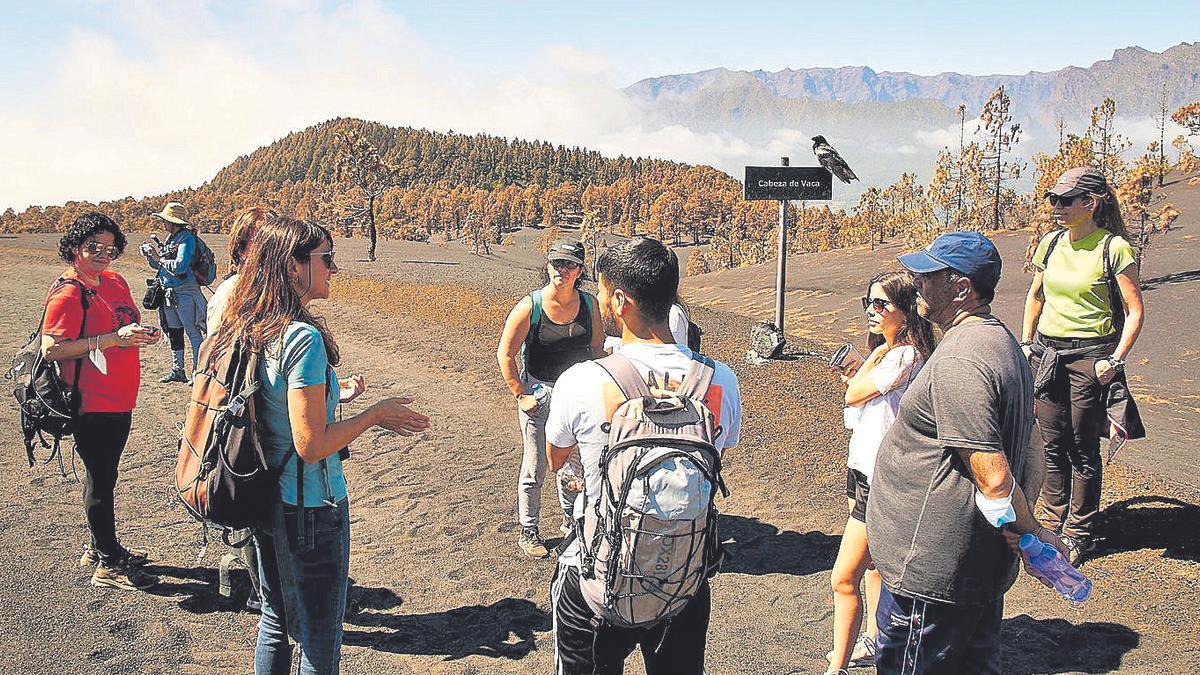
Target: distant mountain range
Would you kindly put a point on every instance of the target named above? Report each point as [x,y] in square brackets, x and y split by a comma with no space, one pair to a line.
[888,122]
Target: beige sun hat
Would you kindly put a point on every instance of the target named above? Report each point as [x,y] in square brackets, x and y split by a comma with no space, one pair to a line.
[173,212]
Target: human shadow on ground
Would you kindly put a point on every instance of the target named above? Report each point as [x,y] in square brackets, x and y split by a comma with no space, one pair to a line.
[1133,524]
[504,629]
[1167,279]
[761,548]
[197,588]
[1041,646]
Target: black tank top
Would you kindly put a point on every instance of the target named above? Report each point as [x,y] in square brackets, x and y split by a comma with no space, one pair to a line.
[551,348]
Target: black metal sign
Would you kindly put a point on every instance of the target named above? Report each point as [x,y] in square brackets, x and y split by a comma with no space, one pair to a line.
[788,182]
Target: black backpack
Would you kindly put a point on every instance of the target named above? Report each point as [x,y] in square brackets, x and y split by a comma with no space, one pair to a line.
[47,405]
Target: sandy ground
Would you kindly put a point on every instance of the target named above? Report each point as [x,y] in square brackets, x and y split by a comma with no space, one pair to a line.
[438,585]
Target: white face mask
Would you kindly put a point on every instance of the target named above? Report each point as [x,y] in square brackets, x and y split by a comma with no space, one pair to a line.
[96,356]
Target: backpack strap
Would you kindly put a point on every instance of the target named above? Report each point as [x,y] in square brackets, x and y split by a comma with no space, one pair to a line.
[699,377]
[1108,268]
[84,291]
[622,371]
[1054,242]
[535,317]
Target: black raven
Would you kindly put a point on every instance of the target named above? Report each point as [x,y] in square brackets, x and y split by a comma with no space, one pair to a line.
[830,159]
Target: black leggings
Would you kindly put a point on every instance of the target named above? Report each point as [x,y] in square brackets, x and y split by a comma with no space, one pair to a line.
[100,440]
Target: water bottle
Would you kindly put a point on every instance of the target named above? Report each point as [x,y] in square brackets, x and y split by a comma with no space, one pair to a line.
[1050,566]
[540,392]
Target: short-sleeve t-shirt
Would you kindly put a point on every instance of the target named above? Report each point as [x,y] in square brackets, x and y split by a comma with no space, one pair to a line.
[586,397]
[871,420]
[110,307]
[300,361]
[928,539]
[1074,283]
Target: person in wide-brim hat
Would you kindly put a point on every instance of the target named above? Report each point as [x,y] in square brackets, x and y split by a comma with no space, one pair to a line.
[173,212]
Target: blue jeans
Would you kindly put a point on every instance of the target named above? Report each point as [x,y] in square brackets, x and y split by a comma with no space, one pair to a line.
[933,638]
[303,589]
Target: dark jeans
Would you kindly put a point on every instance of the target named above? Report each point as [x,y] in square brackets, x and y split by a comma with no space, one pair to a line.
[1071,416]
[100,439]
[916,636]
[304,587]
[583,644]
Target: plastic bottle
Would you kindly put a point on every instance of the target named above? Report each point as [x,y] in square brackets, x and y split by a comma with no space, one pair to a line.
[1049,565]
[540,392]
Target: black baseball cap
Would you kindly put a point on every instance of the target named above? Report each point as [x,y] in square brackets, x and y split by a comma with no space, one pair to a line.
[968,253]
[570,250]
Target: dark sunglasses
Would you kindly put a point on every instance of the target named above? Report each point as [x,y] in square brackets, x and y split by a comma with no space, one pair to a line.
[878,303]
[1055,200]
[96,248]
[564,265]
[326,256]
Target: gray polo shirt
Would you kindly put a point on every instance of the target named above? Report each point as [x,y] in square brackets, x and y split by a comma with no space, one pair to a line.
[926,536]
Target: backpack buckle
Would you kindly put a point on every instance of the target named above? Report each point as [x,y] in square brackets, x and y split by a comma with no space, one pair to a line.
[237,406]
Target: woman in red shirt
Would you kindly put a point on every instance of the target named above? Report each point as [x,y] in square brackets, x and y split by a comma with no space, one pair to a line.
[105,345]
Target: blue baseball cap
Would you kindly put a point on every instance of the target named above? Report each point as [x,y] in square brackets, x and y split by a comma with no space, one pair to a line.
[968,253]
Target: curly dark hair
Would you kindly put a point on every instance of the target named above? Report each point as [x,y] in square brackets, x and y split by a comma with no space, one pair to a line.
[88,225]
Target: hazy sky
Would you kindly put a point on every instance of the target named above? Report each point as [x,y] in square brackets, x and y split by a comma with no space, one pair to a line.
[102,100]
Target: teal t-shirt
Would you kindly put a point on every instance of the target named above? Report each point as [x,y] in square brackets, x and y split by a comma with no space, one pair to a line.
[298,361]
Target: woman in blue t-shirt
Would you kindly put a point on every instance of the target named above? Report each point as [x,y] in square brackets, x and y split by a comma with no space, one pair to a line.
[304,550]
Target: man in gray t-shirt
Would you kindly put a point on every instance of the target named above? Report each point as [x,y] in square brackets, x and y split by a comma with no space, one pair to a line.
[947,477]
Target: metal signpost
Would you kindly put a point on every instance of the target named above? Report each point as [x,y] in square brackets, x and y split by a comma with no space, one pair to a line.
[786,183]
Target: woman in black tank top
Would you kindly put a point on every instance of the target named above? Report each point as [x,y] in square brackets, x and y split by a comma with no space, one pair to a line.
[557,326]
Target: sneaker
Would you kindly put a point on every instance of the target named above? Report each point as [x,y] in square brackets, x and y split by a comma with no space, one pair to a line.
[531,543]
[123,576]
[863,655]
[1078,548]
[174,376]
[91,557]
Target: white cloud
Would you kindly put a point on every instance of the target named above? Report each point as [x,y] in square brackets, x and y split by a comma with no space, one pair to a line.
[183,92]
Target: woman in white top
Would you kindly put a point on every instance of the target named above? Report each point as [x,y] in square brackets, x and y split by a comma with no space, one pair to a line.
[245,225]
[900,341]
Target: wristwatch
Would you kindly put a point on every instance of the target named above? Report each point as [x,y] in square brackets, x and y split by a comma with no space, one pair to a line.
[1116,363]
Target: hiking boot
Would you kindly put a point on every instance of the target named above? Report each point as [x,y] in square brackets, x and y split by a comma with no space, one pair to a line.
[1078,548]
[174,376]
[123,576]
[531,543]
[91,557]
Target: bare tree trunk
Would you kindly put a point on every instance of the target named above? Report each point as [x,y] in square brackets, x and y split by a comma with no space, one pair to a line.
[371,231]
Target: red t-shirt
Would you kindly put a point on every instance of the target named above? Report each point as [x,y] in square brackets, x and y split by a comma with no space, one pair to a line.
[110,306]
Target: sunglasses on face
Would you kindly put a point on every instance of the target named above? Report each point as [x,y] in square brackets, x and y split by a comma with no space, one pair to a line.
[326,256]
[879,304]
[564,265]
[1055,200]
[96,248]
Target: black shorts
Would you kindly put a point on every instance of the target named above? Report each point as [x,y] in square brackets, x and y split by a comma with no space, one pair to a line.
[583,644]
[857,490]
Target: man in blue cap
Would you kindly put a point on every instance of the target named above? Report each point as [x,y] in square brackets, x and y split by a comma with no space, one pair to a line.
[946,501]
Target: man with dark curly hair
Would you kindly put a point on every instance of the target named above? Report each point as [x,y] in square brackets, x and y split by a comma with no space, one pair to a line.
[91,330]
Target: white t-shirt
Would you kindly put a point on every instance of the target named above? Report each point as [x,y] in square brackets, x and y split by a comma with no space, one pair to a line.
[871,420]
[586,396]
[216,304]
[678,322]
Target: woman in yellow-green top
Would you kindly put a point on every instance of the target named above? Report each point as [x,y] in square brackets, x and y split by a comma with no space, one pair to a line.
[1078,333]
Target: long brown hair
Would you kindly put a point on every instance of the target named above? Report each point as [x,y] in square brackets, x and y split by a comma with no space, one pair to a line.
[264,301]
[1107,213]
[917,331]
[245,225]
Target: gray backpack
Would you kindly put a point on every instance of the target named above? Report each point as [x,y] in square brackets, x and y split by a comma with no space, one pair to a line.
[651,540]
